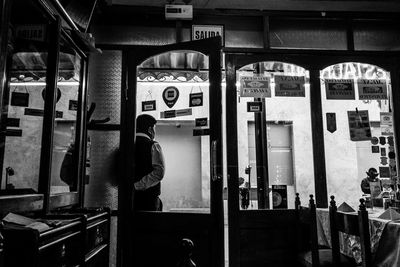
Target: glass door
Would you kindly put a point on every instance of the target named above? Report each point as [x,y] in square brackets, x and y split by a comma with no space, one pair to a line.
[179,87]
[269,156]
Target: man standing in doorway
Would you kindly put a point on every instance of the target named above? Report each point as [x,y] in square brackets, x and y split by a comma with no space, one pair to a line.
[150,167]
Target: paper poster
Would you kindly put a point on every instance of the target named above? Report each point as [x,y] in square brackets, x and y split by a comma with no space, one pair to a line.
[386,123]
[255,86]
[372,89]
[339,89]
[359,125]
[292,86]
[375,188]
[331,122]
[279,196]
[384,172]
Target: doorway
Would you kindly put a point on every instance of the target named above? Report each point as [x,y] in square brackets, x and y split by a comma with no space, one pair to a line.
[180,86]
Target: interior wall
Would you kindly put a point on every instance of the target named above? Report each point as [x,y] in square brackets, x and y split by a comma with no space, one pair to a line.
[181,186]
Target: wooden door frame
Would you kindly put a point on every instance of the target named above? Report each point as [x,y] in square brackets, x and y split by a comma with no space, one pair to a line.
[132,57]
[313,61]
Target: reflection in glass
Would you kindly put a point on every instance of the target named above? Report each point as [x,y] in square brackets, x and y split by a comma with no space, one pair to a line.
[287,138]
[176,96]
[64,175]
[359,96]
[22,117]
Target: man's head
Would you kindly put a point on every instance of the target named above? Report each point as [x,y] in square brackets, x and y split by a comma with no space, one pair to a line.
[372,172]
[145,124]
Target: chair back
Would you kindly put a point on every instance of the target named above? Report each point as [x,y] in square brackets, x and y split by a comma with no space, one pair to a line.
[353,224]
[307,220]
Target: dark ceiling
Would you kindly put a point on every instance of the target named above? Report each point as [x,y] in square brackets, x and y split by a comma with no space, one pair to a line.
[320,5]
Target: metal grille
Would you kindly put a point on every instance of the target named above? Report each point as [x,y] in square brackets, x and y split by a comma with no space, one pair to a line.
[105,72]
[105,90]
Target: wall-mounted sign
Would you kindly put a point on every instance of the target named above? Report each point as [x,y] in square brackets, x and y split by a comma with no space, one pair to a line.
[386,123]
[331,122]
[20,99]
[35,32]
[375,149]
[384,172]
[339,89]
[73,105]
[196,99]
[170,96]
[255,86]
[175,113]
[13,122]
[292,86]
[199,132]
[40,112]
[390,141]
[374,140]
[201,122]
[13,132]
[382,140]
[359,127]
[383,151]
[254,106]
[279,196]
[149,105]
[370,89]
[208,31]
[58,94]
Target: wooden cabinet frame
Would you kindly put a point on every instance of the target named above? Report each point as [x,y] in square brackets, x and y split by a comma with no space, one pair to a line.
[44,201]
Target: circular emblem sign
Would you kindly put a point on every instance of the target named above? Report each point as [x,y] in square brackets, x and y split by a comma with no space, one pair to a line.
[374,140]
[170,96]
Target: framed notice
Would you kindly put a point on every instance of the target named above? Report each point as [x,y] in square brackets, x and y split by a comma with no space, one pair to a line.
[255,86]
[279,196]
[339,89]
[371,89]
[292,86]
[386,123]
[359,127]
[207,31]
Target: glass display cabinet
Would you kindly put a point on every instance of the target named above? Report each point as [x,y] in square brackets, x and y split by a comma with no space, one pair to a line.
[43,100]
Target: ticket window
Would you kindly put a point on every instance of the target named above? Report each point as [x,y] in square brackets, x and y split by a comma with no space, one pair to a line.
[358,128]
[287,138]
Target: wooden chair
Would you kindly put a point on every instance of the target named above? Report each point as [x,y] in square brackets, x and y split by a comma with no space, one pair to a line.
[352,224]
[309,254]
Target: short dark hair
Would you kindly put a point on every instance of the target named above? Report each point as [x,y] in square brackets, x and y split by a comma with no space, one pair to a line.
[144,121]
[372,171]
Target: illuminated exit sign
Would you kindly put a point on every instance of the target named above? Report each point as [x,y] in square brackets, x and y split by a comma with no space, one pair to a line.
[207,31]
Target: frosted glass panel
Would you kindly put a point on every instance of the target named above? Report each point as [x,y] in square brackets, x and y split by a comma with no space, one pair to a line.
[373,35]
[308,34]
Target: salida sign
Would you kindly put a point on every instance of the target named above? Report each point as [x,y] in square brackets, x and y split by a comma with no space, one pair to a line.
[207,31]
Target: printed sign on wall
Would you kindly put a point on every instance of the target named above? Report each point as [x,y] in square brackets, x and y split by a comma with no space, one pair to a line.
[255,86]
[170,96]
[386,123]
[207,31]
[339,89]
[149,105]
[279,196]
[196,99]
[289,86]
[331,122]
[359,125]
[370,89]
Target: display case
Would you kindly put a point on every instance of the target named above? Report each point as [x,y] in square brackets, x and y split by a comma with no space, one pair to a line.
[43,70]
